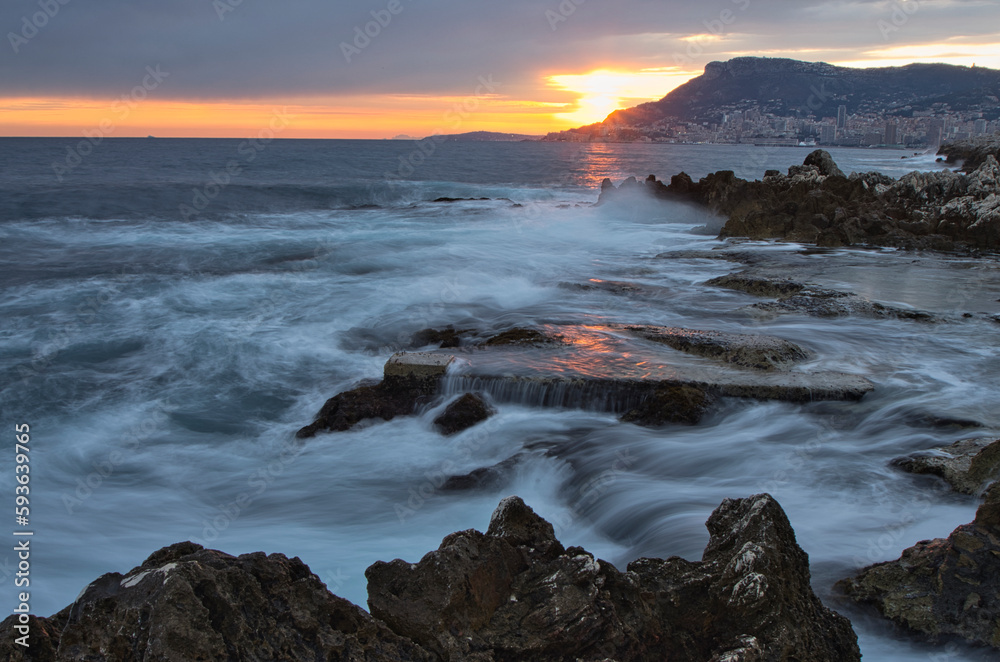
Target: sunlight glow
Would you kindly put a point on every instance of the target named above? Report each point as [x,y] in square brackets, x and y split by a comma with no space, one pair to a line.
[603,91]
[983,55]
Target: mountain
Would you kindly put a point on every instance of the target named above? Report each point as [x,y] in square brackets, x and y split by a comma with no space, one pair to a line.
[793,89]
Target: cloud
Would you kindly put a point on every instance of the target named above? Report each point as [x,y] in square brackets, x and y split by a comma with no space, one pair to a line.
[253,49]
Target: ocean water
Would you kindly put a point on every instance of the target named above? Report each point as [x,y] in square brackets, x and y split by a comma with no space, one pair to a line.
[173,310]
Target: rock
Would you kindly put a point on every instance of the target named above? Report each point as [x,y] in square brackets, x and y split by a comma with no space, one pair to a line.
[944,587]
[671,404]
[446,338]
[972,153]
[819,302]
[815,203]
[757,285]
[758,352]
[485,477]
[417,366]
[967,465]
[410,378]
[463,413]
[189,603]
[514,593]
[520,336]
[822,160]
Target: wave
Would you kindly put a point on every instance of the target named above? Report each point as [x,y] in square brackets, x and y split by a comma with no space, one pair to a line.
[216,200]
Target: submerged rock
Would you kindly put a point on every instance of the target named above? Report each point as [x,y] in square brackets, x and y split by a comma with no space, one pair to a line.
[485,477]
[803,298]
[463,413]
[515,593]
[943,587]
[748,351]
[445,338]
[967,465]
[189,603]
[520,336]
[758,285]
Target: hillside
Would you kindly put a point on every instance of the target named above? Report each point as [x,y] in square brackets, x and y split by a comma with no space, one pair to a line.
[783,88]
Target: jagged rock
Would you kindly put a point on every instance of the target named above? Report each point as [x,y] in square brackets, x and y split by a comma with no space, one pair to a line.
[815,203]
[972,153]
[942,587]
[674,403]
[187,603]
[822,160]
[759,352]
[463,413]
[520,336]
[967,465]
[514,593]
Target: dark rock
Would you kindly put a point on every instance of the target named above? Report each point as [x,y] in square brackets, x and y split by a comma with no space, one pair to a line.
[757,285]
[520,336]
[822,160]
[967,465]
[816,203]
[485,477]
[943,587]
[671,404]
[186,603]
[463,413]
[384,401]
[757,351]
[410,378]
[971,153]
[446,199]
[514,593]
[445,338]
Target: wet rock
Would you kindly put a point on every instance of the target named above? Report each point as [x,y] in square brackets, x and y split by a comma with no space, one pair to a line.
[463,413]
[410,378]
[486,478]
[967,465]
[971,153]
[676,403]
[943,587]
[520,336]
[815,203]
[445,338]
[819,302]
[189,603]
[762,286]
[759,352]
[514,593]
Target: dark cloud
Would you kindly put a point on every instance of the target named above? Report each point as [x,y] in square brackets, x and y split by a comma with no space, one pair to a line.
[254,49]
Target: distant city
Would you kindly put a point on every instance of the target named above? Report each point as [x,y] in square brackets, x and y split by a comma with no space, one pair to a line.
[746,122]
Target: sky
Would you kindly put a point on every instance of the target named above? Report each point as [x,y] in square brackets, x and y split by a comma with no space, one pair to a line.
[382,68]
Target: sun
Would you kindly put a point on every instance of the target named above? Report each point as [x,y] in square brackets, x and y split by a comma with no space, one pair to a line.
[604,91]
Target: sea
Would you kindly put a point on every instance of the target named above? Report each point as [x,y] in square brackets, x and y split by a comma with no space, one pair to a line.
[174,310]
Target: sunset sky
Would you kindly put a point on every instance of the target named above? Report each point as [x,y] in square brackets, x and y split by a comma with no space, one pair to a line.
[378,68]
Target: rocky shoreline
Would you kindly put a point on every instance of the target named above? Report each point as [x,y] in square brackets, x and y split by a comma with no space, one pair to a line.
[816,203]
[511,593]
